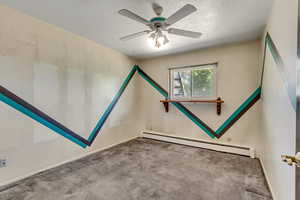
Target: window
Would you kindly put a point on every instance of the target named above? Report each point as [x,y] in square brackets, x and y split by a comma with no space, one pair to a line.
[196,82]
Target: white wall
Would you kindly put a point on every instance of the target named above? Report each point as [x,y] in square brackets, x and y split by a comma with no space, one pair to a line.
[238,75]
[278,116]
[70,78]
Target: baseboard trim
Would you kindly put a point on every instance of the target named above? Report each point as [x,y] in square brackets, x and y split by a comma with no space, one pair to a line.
[7,183]
[222,147]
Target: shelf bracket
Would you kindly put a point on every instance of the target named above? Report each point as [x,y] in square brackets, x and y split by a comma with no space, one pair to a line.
[166,105]
[219,105]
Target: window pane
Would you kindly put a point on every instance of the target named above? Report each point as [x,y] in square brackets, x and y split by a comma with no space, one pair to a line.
[182,84]
[203,82]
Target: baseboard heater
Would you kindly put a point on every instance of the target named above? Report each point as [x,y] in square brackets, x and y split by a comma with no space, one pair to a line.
[228,148]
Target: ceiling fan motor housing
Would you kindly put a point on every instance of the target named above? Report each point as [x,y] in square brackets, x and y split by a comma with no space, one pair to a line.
[158,22]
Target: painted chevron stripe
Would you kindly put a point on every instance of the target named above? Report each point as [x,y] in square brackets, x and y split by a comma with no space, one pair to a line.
[111,106]
[179,106]
[40,117]
[24,107]
[21,105]
[290,88]
[254,97]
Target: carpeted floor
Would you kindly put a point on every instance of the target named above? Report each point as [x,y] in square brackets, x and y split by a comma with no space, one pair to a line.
[145,169]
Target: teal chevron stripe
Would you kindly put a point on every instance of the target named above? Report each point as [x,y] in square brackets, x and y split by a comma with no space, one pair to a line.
[239,110]
[60,129]
[111,105]
[179,106]
[281,68]
[193,119]
[273,50]
[109,109]
[161,91]
[40,120]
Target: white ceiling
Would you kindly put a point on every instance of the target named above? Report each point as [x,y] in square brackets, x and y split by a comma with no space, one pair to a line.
[220,21]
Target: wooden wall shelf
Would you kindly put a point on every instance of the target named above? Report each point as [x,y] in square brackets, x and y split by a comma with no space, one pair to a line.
[217,101]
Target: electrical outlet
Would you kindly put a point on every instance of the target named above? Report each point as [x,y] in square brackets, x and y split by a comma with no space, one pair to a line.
[2,163]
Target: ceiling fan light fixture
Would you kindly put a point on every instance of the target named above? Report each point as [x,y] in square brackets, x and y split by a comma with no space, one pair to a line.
[166,40]
[151,39]
[161,40]
[157,44]
[152,36]
[157,39]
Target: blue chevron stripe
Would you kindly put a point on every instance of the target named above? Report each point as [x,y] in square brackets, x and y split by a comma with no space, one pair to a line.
[111,105]
[39,119]
[115,100]
[281,68]
[53,125]
[240,109]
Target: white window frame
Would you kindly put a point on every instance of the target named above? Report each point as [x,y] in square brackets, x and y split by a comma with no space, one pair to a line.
[193,67]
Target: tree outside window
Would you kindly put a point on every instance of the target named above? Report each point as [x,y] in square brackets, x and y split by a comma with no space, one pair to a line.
[197,82]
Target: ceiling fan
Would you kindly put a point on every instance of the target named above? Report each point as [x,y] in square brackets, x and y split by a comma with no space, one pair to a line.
[158,25]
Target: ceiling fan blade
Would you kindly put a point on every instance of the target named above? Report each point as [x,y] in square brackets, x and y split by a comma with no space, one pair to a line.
[133,16]
[185,33]
[134,35]
[181,13]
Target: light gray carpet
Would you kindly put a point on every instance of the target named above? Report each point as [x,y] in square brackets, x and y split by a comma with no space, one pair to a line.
[145,169]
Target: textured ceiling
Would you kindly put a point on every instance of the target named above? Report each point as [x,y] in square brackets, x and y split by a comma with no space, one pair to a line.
[220,21]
